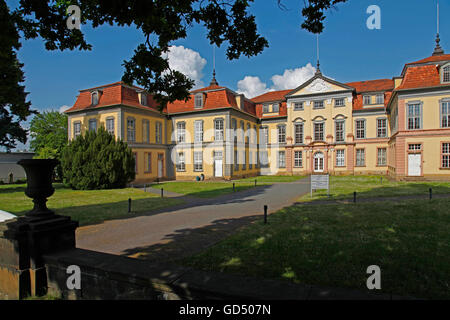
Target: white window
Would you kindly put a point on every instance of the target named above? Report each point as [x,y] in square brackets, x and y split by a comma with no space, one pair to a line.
[158,132]
[198,161]
[340,130]
[446,155]
[415,147]
[381,128]
[131,130]
[360,129]
[360,157]
[298,133]
[298,106]
[94,98]
[110,125]
[319,104]
[244,160]
[275,107]
[264,135]
[446,74]
[281,134]
[218,130]
[198,130]
[281,159]
[340,102]
[414,116]
[92,125]
[445,115]
[265,108]
[146,131]
[181,132]
[250,160]
[242,131]
[319,130]
[264,159]
[380,98]
[199,100]
[247,134]
[236,160]
[298,159]
[181,163]
[367,100]
[255,140]
[234,125]
[340,158]
[77,129]
[381,159]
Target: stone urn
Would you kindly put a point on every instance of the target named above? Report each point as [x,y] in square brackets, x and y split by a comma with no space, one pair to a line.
[39,185]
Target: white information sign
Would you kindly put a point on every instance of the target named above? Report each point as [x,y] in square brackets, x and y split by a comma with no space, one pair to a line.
[320,181]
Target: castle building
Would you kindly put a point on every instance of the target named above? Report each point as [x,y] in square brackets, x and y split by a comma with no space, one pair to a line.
[398,127]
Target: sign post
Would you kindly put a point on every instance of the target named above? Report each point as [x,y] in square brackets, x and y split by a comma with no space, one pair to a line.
[319,182]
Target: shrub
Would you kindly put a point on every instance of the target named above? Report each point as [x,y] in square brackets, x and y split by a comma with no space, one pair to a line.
[97,161]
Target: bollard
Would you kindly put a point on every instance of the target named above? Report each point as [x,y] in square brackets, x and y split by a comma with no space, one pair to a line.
[129,205]
[265,214]
[162,192]
[234,188]
[381,180]
[431,193]
[354,197]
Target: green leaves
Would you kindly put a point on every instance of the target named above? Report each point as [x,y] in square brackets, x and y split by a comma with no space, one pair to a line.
[97,161]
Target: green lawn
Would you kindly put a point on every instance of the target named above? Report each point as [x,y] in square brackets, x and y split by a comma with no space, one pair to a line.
[204,189]
[332,245]
[87,207]
[210,189]
[342,187]
[271,179]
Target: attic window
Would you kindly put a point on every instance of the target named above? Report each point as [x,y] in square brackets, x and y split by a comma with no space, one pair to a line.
[367,100]
[199,100]
[380,98]
[446,74]
[275,107]
[143,99]
[94,98]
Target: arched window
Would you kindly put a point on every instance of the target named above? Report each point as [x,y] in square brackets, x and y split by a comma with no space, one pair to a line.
[94,98]
[446,74]
[318,162]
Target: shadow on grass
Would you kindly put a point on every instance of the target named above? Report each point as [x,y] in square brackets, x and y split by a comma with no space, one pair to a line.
[329,247]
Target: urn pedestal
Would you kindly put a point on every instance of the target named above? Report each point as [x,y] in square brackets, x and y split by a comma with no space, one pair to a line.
[25,240]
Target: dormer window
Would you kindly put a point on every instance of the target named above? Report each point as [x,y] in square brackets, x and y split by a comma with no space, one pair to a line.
[380,98]
[143,98]
[94,98]
[446,74]
[367,100]
[265,108]
[275,107]
[199,100]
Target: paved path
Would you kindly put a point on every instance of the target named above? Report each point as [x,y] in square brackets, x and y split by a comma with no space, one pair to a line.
[186,229]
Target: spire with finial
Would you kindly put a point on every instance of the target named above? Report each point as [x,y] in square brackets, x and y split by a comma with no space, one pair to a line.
[214,81]
[438,50]
[318,72]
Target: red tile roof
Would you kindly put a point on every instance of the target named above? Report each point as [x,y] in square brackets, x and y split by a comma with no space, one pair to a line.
[117,93]
[271,96]
[420,77]
[442,57]
[372,85]
[212,87]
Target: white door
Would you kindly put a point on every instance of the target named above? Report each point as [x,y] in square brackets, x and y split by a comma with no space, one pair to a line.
[160,168]
[414,162]
[218,168]
[318,162]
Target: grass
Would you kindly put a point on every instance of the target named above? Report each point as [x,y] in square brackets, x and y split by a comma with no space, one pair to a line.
[86,206]
[271,179]
[332,245]
[211,189]
[342,187]
[204,189]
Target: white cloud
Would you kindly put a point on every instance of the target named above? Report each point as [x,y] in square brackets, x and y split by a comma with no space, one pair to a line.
[290,79]
[63,108]
[252,86]
[188,62]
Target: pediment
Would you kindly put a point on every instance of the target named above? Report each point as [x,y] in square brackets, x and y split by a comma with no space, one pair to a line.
[317,85]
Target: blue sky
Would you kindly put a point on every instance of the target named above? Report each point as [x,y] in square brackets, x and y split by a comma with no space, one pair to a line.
[349,51]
